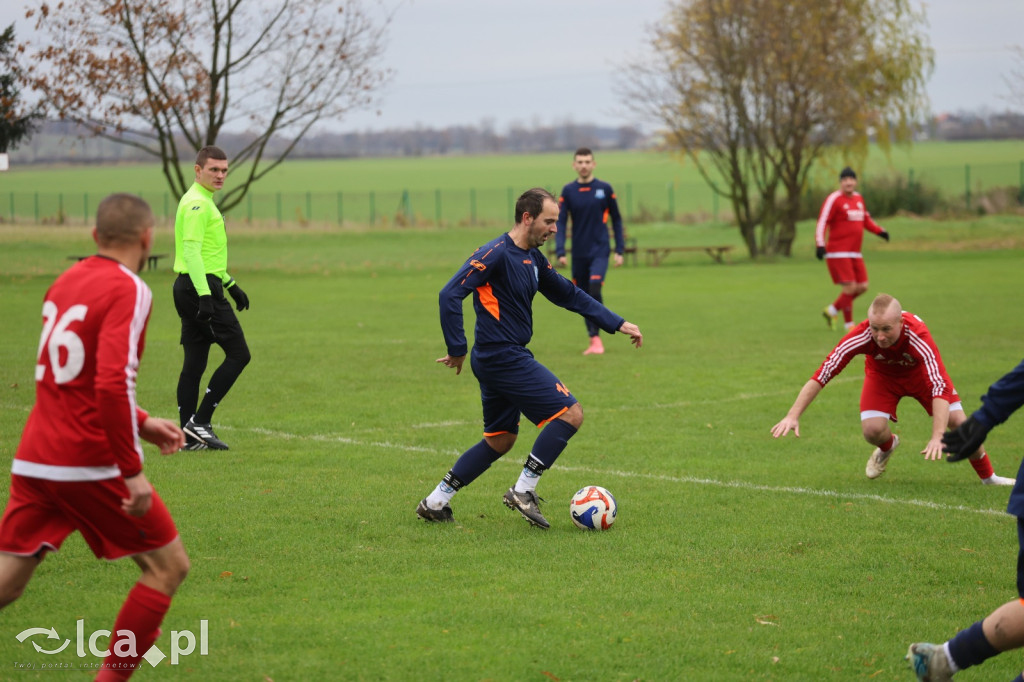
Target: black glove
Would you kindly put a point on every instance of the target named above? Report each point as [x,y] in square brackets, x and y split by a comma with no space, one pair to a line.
[205,312]
[820,252]
[964,440]
[884,235]
[241,300]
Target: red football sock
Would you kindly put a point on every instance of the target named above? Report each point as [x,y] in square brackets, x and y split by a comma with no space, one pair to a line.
[983,466]
[141,613]
[844,303]
[887,445]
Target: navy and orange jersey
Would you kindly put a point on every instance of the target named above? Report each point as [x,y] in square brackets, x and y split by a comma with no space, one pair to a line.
[503,279]
[914,353]
[589,205]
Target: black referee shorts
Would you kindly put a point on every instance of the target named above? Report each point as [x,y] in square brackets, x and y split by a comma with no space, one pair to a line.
[224,323]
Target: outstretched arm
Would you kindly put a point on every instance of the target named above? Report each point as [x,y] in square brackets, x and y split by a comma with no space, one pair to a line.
[634,332]
[940,418]
[791,422]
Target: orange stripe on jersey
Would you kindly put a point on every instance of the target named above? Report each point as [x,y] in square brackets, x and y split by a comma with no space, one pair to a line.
[556,415]
[489,301]
[604,217]
[584,189]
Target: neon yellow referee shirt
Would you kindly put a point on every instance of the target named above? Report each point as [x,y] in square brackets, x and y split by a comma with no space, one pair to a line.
[200,241]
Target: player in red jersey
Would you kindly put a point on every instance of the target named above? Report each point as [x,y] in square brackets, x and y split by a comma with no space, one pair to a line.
[838,236]
[902,361]
[79,463]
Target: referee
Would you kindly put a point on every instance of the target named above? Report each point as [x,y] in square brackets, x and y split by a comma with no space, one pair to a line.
[201,261]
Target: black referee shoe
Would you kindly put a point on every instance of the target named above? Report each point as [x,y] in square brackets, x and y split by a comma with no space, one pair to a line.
[204,434]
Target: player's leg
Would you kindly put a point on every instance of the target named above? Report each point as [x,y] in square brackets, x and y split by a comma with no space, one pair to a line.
[231,339]
[32,524]
[841,272]
[878,400]
[195,342]
[15,574]
[501,426]
[1000,631]
[545,401]
[152,542]
[595,287]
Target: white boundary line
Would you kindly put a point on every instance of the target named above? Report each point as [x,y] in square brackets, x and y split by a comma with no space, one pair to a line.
[741,485]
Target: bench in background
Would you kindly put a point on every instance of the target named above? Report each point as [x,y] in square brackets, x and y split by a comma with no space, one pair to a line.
[654,256]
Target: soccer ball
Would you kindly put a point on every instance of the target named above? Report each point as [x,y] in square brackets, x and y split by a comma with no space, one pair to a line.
[593,508]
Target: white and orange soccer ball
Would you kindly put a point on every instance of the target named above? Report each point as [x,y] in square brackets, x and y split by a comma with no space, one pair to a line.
[593,508]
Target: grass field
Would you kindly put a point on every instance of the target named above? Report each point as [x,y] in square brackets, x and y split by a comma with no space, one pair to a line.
[734,557]
[474,190]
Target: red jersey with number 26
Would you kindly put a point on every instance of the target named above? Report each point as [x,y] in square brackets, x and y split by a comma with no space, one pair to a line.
[85,422]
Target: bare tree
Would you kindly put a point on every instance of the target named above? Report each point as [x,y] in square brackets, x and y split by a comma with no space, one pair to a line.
[755,91]
[17,119]
[1015,79]
[170,77]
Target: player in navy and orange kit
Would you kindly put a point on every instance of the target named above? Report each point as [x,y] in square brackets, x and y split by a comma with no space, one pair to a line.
[590,203]
[503,276]
[838,237]
[79,463]
[902,361]
[1003,629]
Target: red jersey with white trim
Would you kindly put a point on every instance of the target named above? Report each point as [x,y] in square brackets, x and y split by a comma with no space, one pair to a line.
[85,422]
[914,353]
[841,225]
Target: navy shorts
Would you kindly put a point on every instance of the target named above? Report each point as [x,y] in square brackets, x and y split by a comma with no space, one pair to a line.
[512,382]
[224,323]
[587,271]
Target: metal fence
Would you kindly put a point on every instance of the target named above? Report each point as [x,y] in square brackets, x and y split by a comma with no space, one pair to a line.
[691,202]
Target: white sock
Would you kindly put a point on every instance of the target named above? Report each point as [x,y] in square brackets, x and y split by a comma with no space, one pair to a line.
[832,310]
[441,496]
[527,481]
[949,658]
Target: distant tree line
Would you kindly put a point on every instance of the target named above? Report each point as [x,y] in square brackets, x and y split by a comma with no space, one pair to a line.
[62,142]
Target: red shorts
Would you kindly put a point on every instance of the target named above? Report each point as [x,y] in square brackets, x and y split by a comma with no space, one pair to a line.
[40,514]
[881,394]
[846,270]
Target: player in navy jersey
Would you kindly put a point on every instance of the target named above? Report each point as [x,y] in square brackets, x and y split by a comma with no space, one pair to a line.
[503,276]
[590,203]
[1003,629]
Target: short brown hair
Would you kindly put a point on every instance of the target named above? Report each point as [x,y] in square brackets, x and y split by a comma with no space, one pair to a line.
[122,218]
[583,151]
[210,152]
[532,201]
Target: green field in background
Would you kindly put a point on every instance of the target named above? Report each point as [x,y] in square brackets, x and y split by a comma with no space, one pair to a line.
[475,189]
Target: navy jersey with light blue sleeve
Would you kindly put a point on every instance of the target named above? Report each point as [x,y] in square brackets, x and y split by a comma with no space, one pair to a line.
[590,205]
[503,280]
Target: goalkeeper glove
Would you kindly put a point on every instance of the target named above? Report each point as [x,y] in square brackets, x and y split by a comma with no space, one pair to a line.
[241,300]
[820,252]
[964,440]
[884,235]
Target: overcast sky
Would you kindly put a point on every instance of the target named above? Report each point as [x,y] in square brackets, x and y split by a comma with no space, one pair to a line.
[548,61]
